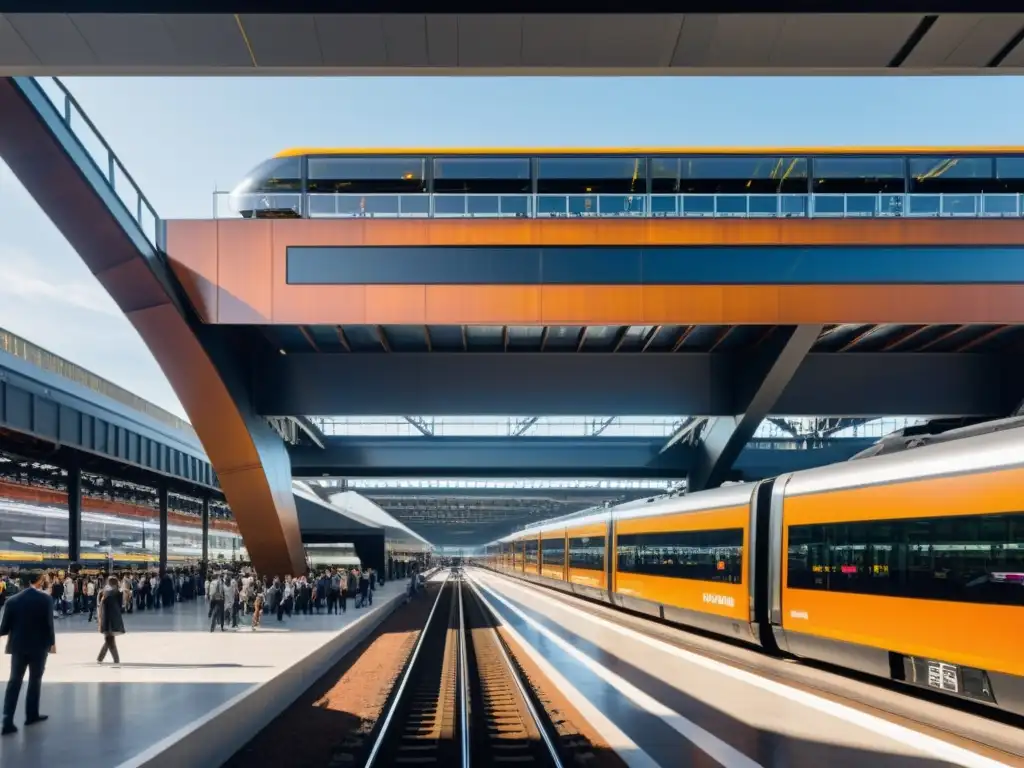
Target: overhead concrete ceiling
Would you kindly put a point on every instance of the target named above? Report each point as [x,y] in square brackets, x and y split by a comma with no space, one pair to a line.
[530,43]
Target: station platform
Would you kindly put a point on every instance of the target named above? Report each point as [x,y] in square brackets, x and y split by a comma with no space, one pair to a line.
[659,704]
[181,695]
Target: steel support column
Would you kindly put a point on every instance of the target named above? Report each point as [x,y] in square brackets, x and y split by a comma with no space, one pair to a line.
[206,535]
[74,510]
[725,436]
[162,494]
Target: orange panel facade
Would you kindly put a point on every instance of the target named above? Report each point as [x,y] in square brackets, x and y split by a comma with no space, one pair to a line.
[235,272]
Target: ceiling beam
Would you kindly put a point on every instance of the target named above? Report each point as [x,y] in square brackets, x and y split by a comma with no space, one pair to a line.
[724,439]
[538,457]
[566,384]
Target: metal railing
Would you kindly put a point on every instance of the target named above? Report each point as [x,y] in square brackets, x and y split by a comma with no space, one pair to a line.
[425,206]
[107,163]
[47,361]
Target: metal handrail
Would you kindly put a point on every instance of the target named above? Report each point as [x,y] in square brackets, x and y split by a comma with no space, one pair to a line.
[689,205]
[109,166]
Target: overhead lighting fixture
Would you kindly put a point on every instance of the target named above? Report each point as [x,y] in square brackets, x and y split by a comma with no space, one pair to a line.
[282,352]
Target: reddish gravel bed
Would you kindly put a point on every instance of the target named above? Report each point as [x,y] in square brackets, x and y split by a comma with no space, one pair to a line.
[340,709]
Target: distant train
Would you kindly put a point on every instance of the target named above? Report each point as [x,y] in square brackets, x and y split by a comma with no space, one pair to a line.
[908,566]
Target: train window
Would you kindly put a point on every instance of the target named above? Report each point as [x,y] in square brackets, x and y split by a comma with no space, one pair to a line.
[858,175]
[482,176]
[592,175]
[969,558]
[530,551]
[553,552]
[701,555]
[279,174]
[951,175]
[587,552]
[1010,174]
[729,175]
[367,175]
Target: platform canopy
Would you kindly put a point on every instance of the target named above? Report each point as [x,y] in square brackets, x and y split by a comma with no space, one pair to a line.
[259,37]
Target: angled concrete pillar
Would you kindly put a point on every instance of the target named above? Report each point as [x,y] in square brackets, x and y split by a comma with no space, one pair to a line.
[762,379]
[212,384]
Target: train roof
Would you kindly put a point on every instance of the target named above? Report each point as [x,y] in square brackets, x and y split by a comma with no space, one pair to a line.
[988,452]
[656,506]
[534,151]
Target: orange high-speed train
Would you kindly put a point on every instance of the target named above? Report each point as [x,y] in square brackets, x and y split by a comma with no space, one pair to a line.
[908,566]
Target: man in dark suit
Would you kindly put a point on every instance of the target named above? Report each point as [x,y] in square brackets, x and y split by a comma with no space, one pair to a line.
[28,624]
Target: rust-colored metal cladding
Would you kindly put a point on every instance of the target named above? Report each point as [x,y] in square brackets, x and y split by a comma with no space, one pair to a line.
[235,271]
[257,484]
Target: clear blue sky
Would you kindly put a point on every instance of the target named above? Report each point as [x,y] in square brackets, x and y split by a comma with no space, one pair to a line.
[182,137]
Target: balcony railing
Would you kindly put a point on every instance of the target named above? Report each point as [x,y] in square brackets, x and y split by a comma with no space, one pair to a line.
[423,206]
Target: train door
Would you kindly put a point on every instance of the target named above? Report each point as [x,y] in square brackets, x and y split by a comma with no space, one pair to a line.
[759,561]
[565,560]
[610,548]
[776,553]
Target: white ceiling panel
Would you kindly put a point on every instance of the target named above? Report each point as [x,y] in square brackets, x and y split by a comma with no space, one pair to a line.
[53,38]
[625,43]
[125,40]
[694,40]
[969,40]
[558,40]
[212,39]
[13,50]
[490,41]
[742,40]
[842,40]
[405,38]
[283,40]
[632,40]
[443,40]
[352,40]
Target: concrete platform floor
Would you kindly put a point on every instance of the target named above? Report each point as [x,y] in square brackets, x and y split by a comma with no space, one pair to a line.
[173,671]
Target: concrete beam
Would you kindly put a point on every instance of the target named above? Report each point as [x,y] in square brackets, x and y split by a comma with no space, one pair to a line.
[537,457]
[692,384]
[725,437]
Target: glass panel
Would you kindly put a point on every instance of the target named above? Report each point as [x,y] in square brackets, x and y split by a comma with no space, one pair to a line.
[700,555]
[966,558]
[1010,174]
[587,552]
[367,175]
[729,175]
[951,175]
[482,176]
[553,552]
[843,175]
[530,551]
[279,174]
[592,175]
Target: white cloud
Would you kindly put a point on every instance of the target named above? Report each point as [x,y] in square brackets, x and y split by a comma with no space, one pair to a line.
[27,279]
[49,297]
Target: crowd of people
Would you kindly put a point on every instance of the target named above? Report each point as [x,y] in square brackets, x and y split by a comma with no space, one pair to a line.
[31,604]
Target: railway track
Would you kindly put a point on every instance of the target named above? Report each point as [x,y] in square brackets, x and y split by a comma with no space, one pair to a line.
[462,700]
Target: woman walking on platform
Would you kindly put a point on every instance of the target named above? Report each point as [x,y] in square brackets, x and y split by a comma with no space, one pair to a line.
[110,622]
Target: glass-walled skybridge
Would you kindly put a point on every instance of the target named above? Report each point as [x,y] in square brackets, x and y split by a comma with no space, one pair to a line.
[882,183]
[690,206]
